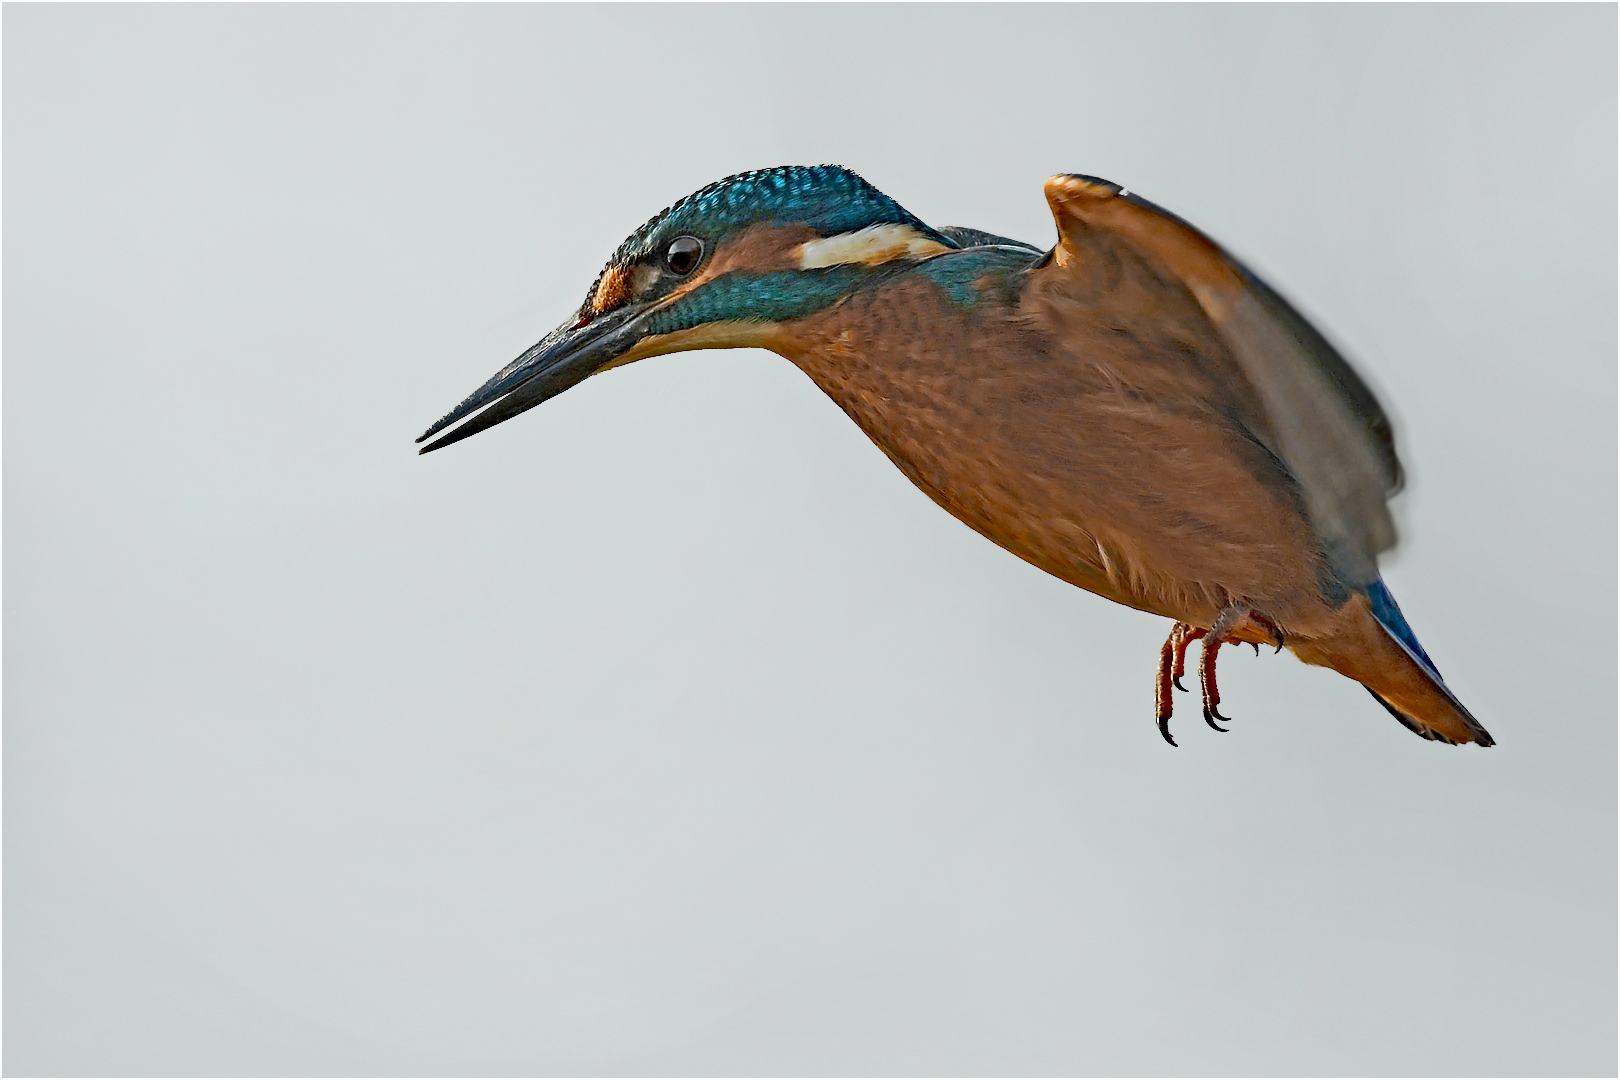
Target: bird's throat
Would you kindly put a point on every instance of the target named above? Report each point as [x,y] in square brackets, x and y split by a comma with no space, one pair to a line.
[731,334]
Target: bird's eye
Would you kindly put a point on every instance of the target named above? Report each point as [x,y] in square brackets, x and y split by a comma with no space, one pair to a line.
[683,254]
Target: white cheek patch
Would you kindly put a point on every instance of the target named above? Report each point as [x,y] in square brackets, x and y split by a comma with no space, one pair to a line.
[644,278]
[871,245]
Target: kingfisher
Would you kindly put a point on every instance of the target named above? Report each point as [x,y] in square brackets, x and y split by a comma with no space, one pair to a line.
[1131,410]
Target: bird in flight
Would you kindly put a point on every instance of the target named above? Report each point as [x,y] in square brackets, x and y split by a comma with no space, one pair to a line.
[1133,410]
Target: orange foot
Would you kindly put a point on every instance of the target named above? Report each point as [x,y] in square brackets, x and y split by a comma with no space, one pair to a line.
[1173,662]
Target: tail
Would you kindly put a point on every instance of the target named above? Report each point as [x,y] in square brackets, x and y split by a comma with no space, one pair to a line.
[1378,649]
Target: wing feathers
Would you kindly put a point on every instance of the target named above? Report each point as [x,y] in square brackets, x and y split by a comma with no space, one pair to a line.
[1326,426]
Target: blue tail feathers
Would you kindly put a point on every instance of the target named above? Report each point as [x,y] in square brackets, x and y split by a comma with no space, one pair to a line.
[1388,614]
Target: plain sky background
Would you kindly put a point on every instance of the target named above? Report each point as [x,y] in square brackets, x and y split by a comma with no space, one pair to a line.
[668,728]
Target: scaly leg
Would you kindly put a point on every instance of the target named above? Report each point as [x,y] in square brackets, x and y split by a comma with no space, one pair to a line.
[1172,665]
[1173,660]
[1229,617]
[1206,683]
[1189,634]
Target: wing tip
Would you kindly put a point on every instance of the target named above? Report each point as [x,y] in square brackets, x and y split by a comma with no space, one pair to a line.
[1079,183]
[1071,185]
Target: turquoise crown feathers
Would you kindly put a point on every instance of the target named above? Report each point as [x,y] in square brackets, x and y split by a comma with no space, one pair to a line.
[828,199]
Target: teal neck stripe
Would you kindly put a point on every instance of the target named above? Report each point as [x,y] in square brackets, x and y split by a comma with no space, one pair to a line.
[786,295]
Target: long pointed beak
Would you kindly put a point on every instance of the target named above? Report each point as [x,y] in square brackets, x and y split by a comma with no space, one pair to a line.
[563,358]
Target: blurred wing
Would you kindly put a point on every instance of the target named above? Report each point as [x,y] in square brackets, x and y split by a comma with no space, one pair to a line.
[1326,426]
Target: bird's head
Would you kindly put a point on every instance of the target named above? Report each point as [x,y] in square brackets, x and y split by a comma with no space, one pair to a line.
[723,268]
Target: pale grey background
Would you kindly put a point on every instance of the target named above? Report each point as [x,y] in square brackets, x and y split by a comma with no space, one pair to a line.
[668,728]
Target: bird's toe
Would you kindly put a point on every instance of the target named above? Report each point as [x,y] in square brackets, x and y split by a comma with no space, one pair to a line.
[1164,729]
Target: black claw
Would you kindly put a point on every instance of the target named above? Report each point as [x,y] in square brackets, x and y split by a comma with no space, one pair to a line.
[1177,680]
[1209,718]
[1164,729]
[1256,645]
[1279,646]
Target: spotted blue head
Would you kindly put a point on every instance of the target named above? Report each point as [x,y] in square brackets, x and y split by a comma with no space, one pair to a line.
[722,268]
